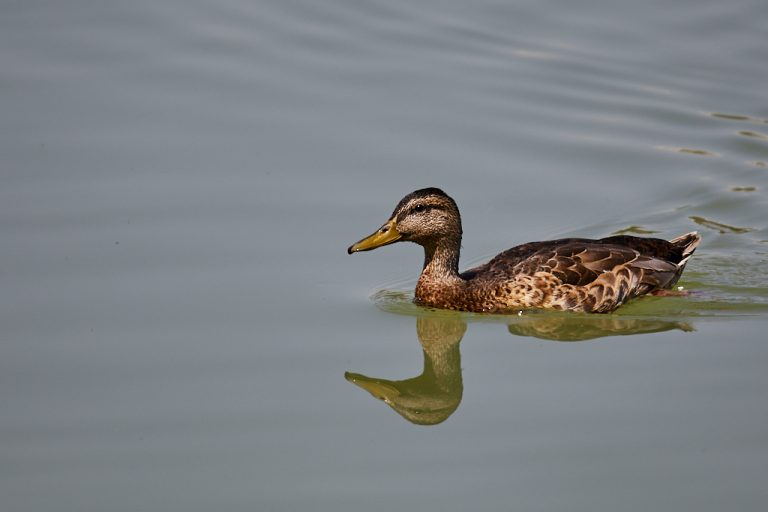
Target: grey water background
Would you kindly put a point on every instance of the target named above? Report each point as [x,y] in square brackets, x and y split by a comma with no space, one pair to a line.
[179,182]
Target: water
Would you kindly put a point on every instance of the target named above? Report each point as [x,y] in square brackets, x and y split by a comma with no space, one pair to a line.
[180,181]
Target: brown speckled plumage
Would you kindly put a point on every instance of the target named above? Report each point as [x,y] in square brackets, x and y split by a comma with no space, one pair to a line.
[575,274]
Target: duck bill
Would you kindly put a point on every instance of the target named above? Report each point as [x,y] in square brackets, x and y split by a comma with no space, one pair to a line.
[385,235]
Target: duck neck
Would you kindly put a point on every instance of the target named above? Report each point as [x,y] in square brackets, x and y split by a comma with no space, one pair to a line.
[441,259]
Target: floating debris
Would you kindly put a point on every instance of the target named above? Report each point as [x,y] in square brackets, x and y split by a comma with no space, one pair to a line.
[732,117]
[696,151]
[743,189]
[690,151]
[757,135]
[722,228]
[639,230]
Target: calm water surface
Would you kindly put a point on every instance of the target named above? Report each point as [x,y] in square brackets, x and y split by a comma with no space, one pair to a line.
[181,326]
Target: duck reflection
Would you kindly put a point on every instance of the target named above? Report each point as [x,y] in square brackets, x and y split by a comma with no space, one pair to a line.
[433,396]
[563,328]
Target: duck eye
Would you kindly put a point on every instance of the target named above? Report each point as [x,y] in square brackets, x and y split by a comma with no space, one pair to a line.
[419,208]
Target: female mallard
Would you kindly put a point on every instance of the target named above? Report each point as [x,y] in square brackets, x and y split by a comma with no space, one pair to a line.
[575,274]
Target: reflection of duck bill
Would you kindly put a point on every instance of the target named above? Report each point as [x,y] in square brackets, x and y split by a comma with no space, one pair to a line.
[379,388]
[419,400]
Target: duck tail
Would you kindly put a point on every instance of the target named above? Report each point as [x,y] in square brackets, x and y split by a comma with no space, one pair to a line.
[687,243]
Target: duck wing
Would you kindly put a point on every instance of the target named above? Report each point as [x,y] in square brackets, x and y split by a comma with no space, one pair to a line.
[651,262]
[584,264]
[504,263]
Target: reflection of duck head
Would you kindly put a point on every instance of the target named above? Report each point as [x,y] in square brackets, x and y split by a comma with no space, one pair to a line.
[431,397]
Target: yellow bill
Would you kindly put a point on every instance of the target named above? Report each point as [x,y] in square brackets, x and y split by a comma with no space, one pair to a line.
[386,234]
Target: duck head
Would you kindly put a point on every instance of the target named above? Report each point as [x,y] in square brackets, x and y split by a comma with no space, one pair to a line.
[426,217]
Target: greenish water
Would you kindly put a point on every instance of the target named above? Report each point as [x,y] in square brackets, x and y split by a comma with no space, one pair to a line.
[183,330]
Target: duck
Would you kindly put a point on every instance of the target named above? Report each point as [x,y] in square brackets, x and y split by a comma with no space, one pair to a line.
[569,274]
